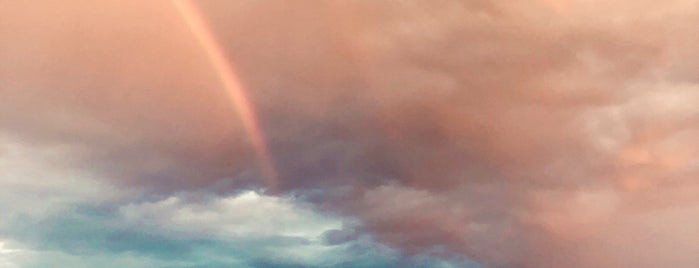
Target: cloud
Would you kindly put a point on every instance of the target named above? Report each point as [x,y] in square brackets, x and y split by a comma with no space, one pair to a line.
[527,134]
[83,236]
[56,216]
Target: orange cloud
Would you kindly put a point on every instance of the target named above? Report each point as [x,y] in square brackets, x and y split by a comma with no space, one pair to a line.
[506,132]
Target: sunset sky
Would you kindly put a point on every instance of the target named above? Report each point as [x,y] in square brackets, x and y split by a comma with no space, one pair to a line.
[356,133]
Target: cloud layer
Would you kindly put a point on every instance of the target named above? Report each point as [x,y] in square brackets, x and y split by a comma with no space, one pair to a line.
[66,219]
[537,133]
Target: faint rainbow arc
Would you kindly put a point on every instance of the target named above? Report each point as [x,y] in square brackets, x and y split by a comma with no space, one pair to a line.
[231,83]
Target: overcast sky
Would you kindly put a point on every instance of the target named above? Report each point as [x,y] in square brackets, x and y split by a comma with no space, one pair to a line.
[417,133]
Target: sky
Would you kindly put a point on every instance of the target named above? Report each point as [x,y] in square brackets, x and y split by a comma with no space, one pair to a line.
[362,133]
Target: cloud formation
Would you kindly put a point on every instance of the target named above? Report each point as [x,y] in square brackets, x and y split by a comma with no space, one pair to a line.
[535,133]
[64,218]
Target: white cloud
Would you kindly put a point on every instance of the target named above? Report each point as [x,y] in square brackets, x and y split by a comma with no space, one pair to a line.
[33,181]
[6,255]
[243,215]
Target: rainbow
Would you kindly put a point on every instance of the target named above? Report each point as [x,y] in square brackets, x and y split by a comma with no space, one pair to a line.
[234,88]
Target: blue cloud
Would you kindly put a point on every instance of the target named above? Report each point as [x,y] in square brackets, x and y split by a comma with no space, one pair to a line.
[89,236]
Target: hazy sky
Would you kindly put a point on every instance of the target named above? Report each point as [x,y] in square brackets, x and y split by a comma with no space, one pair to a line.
[359,133]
